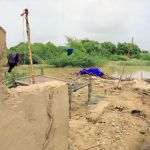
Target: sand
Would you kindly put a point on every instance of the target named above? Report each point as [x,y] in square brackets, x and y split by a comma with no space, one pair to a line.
[107,123]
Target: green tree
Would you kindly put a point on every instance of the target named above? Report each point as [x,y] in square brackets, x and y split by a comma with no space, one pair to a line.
[90,46]
[129,49]
[109,47]
[75,43]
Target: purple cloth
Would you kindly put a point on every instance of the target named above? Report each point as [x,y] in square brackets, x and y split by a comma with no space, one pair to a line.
[92,71]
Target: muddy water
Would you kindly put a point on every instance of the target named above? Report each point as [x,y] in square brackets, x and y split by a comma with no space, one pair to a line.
[134,75]
[141,75]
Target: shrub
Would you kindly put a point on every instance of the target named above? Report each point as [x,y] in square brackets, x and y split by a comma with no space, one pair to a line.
[86,53]
[74,60]
[145,56]
[118,57]
[10,78]
[128,49]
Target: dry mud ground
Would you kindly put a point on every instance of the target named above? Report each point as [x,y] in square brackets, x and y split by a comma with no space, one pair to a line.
[114,119]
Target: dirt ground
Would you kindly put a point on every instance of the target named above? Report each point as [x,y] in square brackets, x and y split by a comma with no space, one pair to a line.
[114,119]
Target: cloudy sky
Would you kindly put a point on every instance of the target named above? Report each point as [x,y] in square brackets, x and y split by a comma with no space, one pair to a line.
[102,20]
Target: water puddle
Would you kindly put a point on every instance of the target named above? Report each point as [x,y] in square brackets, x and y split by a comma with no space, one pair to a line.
[135,75]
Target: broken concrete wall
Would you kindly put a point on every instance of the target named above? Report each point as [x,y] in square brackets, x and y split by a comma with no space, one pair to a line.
[35,118]
[2,39]
[1,81]
[3,90]
[3,93]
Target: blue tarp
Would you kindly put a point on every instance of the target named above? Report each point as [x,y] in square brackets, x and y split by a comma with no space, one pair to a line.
[92,71]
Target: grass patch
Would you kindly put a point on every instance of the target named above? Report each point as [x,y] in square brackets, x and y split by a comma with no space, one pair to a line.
[145,56]
[10,78]
[118,58]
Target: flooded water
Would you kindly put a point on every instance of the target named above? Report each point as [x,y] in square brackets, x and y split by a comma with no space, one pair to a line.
[135,75]
[141,75]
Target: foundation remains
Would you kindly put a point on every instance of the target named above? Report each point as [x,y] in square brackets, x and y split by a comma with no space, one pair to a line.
[35,117]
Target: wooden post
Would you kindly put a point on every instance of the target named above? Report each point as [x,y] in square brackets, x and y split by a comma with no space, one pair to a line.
[132,41]
[42,70]
[70,99]
[130,48]
[123,70]
[89,88]
[141,75]
[26,12]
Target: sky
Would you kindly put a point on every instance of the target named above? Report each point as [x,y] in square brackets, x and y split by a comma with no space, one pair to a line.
[101,20]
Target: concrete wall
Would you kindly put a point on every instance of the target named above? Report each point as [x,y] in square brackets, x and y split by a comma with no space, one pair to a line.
[35,118]
[2,48]
[2,39]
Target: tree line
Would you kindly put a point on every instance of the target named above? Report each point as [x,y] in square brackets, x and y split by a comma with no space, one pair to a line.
[86,52]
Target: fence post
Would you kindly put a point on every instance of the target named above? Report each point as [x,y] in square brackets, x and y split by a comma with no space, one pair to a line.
[70,99]
[141,75]
[89,88]
[42,70]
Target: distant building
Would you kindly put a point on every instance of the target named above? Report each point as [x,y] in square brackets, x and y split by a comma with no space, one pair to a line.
[2,39]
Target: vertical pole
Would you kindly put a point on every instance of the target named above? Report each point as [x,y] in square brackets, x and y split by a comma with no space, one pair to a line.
[132,40]
[131,47]
[42,70]
[70,99]
[29,46]
[141,75]
[89,88]
[123,70]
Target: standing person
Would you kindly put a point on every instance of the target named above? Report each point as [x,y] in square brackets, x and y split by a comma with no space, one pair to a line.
[13,60]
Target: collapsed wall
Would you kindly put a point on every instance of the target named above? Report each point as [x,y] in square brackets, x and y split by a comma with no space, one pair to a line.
[3,92]
[35,118]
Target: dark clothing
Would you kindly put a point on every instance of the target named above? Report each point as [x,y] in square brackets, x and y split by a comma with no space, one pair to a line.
[11,66]
[13,60]
[92,71]
[70,51]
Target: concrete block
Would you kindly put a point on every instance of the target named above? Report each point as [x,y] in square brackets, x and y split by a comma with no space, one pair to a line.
[36,117]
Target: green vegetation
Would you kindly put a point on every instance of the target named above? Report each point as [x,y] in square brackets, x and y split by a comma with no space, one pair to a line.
[144,56]
[86,53]
[10,78]
[135,62]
